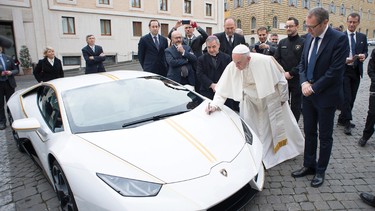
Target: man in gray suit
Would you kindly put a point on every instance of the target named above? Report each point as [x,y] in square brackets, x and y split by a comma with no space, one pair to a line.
[180,60]
[7,82]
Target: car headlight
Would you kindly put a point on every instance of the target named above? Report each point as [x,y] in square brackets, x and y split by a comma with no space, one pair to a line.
[130,187]
[248,134]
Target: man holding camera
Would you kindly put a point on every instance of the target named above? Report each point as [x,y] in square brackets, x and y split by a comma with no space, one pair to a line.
[263,46]
[195,42]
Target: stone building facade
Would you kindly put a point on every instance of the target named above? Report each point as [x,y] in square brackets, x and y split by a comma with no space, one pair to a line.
[251,14]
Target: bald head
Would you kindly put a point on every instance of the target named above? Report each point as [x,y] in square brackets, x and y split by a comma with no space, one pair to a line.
[229,26]
[176,37]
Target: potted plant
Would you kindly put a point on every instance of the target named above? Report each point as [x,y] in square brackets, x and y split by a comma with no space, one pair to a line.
[25,60]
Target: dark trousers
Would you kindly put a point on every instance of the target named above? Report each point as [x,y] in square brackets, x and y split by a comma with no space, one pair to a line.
[295,95]
[315,117]
[370,120]
[5,92]
[351,85]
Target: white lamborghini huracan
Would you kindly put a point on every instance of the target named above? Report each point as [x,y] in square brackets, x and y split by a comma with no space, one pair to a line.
[131,140]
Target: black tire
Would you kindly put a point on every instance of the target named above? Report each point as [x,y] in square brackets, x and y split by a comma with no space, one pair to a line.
[16,138]
[62,188]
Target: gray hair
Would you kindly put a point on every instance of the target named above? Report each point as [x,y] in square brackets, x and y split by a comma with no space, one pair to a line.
[320,13]
[213,38]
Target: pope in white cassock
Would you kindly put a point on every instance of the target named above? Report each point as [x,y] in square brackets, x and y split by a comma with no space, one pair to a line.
[258,82]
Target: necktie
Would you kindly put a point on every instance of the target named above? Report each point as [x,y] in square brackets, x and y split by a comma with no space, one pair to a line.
[311,65]
[93,48]
[189,42]
[352,44]
[2,63]
[156,42]
[230,40]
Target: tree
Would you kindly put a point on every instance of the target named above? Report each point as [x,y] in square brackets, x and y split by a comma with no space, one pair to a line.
[25,59]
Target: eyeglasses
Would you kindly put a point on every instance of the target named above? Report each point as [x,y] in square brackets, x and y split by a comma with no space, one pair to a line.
[312,27]
[289,26]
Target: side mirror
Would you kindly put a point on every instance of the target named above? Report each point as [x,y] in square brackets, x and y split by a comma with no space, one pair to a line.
[26,125]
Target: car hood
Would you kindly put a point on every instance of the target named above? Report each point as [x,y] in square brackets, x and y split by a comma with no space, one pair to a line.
[177,148]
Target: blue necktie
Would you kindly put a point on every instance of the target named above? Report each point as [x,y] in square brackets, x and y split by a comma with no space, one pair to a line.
[311,65]
[2,63]
[156,42]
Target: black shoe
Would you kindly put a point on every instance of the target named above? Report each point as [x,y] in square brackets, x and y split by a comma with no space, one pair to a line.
[348,129]
[341,123]
[318,180]
[303,172]
[362,142]
[2,126]
[368,198]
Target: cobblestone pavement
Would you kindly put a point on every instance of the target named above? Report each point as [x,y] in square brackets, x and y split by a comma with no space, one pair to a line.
[23,185]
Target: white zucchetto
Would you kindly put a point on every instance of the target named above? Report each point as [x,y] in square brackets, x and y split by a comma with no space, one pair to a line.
[241,49]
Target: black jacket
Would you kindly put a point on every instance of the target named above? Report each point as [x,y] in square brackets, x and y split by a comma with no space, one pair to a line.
[371,70]
[44,71]
[289,53]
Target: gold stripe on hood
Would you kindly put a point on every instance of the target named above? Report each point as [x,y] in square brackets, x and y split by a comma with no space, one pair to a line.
[192,140]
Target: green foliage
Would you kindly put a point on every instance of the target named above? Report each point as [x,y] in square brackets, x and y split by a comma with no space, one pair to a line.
[25,58]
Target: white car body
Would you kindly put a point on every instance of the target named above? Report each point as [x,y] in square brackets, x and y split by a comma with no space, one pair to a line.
[198,160]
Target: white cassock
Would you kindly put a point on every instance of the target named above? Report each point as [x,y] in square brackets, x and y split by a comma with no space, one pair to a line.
[260,88]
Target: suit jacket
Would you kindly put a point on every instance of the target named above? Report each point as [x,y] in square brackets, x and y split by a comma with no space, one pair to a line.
[175,61]
[95,65]
[224,44]
[151,58]
[9,65]
[270,51]
[360,48]
[44,71]
[208,73]
[329,68]
[371,70]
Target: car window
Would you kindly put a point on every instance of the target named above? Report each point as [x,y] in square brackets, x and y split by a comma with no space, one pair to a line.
[108,106]
[49,108]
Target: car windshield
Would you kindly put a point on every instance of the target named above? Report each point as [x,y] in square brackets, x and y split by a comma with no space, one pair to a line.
[126,103]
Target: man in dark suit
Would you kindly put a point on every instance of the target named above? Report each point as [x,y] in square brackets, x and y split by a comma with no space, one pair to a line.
[321,77]
[354,70]
[229,39]
[180,60]
[370,119]
[195,42]
[93,55]
[7,82]
[263,46]
[211,66]
[151,50]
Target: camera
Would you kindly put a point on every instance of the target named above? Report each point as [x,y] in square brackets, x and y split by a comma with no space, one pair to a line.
[257,49]
[185,21]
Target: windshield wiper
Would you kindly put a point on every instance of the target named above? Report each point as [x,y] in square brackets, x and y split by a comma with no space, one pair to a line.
[153,118]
